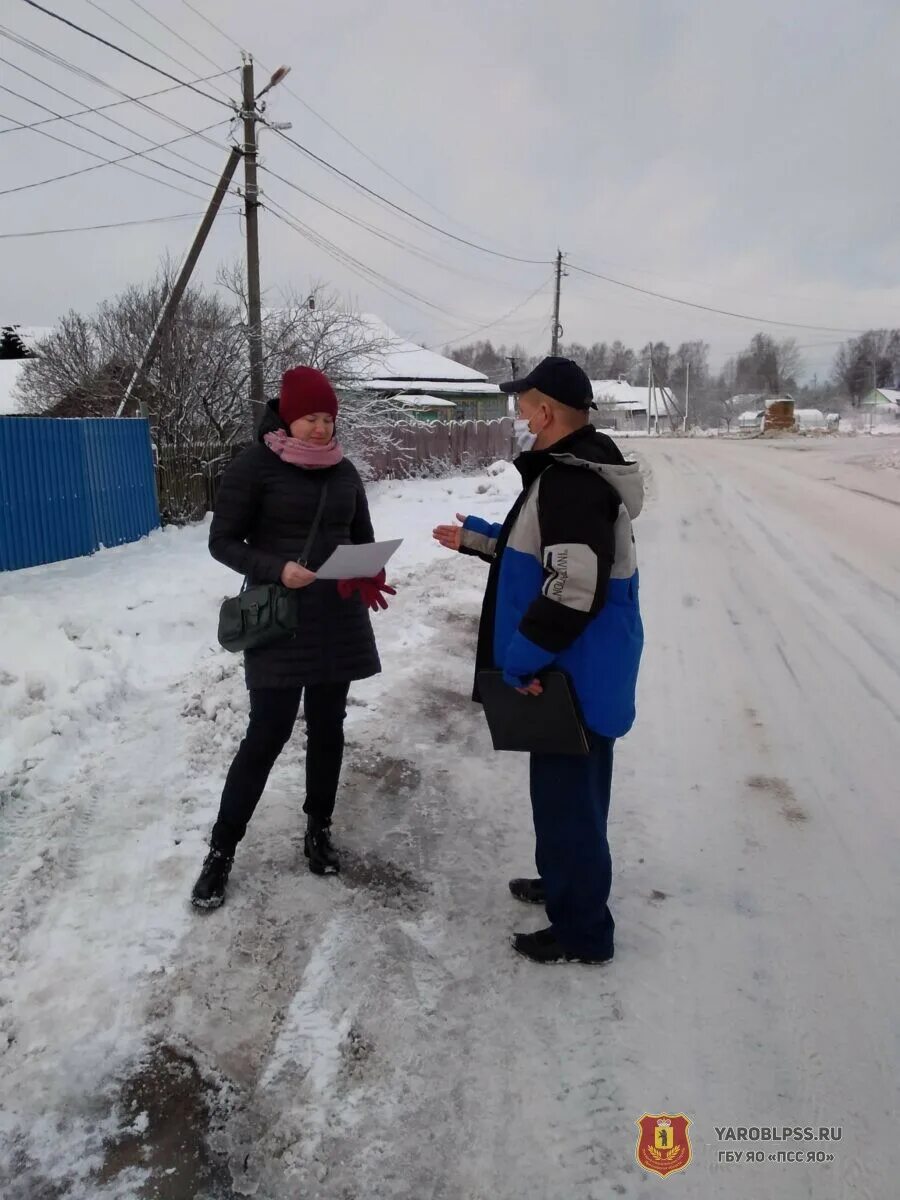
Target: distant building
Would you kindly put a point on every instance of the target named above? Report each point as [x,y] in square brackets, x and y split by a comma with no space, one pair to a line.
[883,402]
[427,408]
[779,414]
[626,405]
[407,370]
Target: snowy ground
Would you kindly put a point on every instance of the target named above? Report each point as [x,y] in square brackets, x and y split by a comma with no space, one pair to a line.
[374,1036]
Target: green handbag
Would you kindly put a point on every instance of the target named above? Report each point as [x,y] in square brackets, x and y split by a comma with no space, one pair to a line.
[266,612]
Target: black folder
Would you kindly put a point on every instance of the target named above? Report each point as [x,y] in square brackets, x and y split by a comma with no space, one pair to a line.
[547,724]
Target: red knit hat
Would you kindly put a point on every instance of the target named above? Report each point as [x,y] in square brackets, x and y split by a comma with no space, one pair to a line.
[304,391]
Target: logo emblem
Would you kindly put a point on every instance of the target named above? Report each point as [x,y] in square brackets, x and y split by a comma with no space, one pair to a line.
[663,1145]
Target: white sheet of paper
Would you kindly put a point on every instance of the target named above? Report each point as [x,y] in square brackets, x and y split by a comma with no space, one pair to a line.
[358,562]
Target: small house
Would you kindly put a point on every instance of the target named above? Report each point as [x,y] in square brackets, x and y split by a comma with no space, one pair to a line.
[627,405]
[426,408]
[882,402]
[417,373]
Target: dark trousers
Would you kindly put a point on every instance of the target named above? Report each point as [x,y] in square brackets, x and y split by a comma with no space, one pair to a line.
[273,713]
[570,800]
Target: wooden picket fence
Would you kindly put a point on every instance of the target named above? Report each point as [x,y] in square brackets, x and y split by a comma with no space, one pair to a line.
[419,448]
[188,477]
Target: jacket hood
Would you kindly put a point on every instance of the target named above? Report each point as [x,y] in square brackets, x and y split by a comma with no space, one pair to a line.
[625,478]
[270,421]
[591,450]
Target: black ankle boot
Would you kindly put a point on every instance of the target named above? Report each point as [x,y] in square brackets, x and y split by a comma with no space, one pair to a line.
[319,848]
[209,890]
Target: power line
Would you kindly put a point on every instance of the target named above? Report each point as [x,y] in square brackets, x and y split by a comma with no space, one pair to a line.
[103,137]
[176,34]
[32,233]
[134,32]
[110,162]
[499,320]
[59,61]
[119,50]
[391,239]
[378,280]
[723,312]
[324,120]
[538,262]
[99,108]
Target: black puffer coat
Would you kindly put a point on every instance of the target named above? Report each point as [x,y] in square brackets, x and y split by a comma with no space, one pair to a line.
[264,512]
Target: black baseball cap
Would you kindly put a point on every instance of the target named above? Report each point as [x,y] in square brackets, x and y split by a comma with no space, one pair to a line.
[560,378]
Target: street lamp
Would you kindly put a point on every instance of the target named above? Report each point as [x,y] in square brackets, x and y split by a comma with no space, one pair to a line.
[277,77]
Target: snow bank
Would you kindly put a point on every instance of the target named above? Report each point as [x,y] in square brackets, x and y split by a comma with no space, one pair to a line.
[119,713]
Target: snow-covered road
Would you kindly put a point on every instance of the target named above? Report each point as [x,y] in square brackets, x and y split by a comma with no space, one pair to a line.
[374,1036]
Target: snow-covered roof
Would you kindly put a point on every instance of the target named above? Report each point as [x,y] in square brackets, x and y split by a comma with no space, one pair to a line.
[891,395]
[751,415]
[403,360]
[628,398]
[462,387]
[423,401]
[10,369]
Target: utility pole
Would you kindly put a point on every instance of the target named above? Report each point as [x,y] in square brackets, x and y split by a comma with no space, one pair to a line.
[250,115]
[649,389]
[687,395]
[557,328]
[183,278]
[514,368]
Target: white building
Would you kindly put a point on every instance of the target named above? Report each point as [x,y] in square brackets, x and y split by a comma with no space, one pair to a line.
[406,369]
[883,402]
[628,404]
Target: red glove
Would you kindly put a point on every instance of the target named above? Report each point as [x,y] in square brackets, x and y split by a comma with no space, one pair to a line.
[371,591]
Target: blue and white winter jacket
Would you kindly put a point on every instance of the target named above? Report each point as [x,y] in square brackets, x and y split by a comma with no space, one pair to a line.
[563,587]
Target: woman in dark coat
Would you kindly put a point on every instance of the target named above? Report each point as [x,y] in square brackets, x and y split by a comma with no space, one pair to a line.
[265,512]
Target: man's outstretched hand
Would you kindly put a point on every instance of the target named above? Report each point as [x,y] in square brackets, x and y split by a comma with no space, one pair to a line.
[450,536]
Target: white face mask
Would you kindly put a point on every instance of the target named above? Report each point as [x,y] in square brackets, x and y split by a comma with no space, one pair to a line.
[525,439]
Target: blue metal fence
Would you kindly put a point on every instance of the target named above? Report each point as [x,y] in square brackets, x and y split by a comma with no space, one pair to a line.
[70,487]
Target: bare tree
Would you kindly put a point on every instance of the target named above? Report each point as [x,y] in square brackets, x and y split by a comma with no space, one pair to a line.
[198,387]
[768,367]
[867,362]
[622,360]
[195,389]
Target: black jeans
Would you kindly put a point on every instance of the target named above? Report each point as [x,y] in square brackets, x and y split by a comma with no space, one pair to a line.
[273,713]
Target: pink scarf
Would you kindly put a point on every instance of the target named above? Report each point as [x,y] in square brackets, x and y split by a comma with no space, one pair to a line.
[304,454]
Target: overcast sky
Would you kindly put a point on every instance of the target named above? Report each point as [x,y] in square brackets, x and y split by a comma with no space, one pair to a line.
[738,155]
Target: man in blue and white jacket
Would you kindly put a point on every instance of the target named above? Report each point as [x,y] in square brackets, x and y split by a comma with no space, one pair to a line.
[563,592]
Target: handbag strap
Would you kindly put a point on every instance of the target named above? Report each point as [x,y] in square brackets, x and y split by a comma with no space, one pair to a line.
[314,528]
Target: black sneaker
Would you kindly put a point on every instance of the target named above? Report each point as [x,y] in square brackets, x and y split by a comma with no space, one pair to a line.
[542,947]
[209,890]
[319,849]
[529,891]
